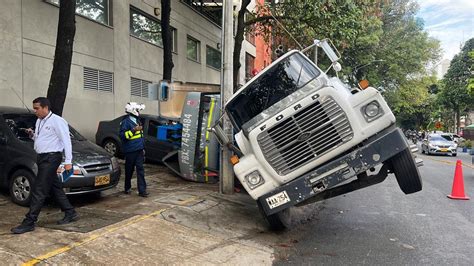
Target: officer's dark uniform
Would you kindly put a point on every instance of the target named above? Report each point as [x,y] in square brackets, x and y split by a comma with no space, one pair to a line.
[133,146]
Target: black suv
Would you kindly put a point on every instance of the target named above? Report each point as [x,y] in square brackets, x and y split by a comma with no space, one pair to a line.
[108,137]
[94,169]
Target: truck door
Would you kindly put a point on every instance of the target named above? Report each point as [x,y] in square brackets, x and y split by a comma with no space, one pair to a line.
[198,157]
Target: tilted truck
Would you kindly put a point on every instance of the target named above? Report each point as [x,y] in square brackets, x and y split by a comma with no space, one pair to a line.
[304,136]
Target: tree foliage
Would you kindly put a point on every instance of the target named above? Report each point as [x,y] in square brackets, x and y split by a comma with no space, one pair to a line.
[412,103]
[456,95]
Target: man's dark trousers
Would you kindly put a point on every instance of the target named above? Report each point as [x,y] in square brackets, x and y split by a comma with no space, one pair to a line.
[46,182]
[135,159]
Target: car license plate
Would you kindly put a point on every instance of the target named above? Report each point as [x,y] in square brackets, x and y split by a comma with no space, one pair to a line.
[102,180]
[444,150]
[278,199]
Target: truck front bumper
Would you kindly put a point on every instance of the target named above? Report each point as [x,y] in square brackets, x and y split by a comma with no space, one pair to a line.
[332,178]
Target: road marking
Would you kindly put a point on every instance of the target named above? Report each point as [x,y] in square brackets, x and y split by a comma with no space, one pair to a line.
[96,236]
[449,162]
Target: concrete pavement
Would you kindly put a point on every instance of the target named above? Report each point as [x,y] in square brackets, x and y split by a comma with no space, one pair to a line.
[180,223]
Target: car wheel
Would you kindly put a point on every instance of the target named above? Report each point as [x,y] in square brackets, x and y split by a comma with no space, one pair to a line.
[406,172]
[422,150]
[278,221]
[455,154]
[21,184]
[111,147]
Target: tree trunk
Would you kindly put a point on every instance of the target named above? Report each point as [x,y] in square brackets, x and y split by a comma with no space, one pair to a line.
[458,120]
[239,38]
[59,80]
[167,38]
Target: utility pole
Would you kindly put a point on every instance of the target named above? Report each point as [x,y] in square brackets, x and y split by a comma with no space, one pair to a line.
[226,185]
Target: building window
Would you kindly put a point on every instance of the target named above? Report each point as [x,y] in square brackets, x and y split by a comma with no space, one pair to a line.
[97,10]
[139,87]
[193,49]
[213,58]
[98,80]
[212,10]
[250,31]
[249,66]
[148,28]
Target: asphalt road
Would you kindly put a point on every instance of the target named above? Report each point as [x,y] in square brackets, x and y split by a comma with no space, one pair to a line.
[380,225]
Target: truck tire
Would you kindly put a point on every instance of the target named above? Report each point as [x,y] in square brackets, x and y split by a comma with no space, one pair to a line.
[406,172]
[278,221]
[20,185]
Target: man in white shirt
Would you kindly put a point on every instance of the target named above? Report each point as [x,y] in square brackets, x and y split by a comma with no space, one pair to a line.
[51,138]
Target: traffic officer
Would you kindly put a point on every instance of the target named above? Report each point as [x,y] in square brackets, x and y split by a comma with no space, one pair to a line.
[51,138]
[131,133]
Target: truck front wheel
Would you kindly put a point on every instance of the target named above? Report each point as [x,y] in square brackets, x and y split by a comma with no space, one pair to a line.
[406,172]
[278,221]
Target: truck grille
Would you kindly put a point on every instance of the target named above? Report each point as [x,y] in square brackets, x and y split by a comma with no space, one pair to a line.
[303,137]
[97,168]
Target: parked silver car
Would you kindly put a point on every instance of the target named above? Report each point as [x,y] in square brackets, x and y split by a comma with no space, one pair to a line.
[438,144]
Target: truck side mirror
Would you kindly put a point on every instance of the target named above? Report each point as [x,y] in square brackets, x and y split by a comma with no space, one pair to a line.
[220,135]
[331,53]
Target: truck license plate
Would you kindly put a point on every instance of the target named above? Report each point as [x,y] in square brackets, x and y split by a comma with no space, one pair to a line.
[102,180]
[278,199]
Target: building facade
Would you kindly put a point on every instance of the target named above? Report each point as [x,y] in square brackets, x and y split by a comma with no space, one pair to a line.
[117,53]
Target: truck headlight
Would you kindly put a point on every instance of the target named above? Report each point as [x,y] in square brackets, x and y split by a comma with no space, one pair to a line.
[254,179]
[372,111]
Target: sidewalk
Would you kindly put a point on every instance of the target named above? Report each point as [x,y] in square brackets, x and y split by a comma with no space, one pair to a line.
[180,223]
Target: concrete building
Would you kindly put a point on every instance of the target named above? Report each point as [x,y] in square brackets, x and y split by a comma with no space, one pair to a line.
[117,53]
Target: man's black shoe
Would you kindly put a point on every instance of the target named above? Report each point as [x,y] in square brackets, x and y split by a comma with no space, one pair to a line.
[69,218]
[144,194]
[23,228]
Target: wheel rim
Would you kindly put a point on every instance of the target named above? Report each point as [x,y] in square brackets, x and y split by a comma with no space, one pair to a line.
[110,147]
[21,188]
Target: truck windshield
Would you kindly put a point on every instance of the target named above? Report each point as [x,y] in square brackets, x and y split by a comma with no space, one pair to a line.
[274,84]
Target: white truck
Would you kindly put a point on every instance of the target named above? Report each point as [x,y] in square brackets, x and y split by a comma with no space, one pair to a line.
[304,136]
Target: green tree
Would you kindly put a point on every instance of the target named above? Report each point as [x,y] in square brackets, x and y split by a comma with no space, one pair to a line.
[412,103]
[404,46]
[455,94]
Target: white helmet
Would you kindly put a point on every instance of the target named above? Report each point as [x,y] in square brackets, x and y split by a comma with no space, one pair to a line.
[134,108]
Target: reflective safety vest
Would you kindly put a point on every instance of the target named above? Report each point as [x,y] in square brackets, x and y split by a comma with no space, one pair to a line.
[132,141]
[130,135]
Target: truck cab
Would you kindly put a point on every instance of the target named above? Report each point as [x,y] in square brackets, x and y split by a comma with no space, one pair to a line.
[305,136]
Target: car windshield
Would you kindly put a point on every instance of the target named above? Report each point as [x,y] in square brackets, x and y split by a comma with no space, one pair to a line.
[274,84]
[438,138]
[447,137]
[19,122]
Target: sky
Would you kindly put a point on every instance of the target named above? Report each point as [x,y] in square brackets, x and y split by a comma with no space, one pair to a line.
[450,21]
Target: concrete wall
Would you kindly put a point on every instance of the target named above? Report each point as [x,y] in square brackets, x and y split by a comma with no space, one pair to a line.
[27,43]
